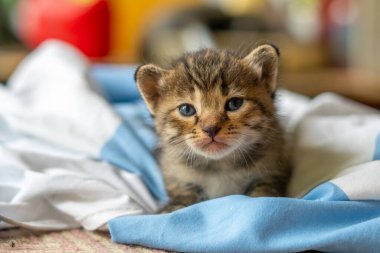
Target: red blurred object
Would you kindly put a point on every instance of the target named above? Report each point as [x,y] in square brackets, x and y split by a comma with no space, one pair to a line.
[83,23]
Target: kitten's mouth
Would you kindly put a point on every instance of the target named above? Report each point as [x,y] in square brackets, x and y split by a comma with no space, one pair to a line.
[213,146]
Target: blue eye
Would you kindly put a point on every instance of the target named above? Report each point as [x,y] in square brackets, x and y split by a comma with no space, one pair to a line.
[234,103]
[187,110]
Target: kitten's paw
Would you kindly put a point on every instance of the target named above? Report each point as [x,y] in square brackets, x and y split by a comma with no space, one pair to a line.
[171,208]
[265,191]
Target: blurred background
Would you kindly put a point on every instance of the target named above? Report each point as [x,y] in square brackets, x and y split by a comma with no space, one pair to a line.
[326,45]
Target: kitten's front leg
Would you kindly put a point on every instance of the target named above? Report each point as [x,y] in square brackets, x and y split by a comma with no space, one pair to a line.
[268,187]
[182,195]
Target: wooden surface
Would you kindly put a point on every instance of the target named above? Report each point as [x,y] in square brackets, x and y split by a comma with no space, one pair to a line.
[9,59]
[25,241]
[77,240]
[355,84]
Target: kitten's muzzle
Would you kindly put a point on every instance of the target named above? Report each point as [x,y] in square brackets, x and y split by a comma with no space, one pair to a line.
[211,131]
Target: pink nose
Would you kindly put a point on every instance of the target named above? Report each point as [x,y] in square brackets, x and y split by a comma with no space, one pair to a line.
[211,131]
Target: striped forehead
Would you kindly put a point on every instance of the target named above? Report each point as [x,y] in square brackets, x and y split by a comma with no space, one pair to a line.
[209,72]
[212,73]
[212,98]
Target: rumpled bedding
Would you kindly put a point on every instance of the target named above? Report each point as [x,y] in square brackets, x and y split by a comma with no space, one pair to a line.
[67,157]
[77,150]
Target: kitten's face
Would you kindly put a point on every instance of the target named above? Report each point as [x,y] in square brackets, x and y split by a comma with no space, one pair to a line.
[212,103]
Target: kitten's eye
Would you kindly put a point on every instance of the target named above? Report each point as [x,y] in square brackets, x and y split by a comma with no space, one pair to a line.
[186,110]
[234,103]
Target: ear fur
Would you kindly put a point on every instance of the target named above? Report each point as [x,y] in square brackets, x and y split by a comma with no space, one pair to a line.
[148,79]
[264,61]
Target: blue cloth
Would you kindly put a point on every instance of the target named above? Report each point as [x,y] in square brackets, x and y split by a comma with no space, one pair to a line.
[116,81]
[132,146]
[325,219]
[376,155]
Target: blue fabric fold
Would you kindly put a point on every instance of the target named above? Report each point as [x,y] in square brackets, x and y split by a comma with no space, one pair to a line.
[116,82]
[376,155]
[324,220]
[132,147]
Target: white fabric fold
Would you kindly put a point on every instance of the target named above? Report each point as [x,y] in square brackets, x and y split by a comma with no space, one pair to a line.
[53,126]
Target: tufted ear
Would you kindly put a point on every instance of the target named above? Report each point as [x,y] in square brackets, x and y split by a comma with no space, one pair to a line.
[264,61]
[148,78]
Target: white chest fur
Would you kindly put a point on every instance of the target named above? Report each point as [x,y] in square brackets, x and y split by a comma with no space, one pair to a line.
[222,183]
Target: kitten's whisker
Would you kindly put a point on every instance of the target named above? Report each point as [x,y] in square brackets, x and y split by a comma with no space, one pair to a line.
[178,153]
[242,152]
[187,155]
[179,140]
[181,154]
[191,155]
[268,138]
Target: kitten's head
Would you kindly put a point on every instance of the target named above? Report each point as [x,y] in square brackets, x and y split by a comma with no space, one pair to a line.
[212,103]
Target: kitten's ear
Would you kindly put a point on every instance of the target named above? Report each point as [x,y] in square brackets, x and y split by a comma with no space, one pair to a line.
[264,60]
[148,81]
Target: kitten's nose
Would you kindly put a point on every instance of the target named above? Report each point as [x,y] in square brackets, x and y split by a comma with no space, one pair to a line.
[211,131]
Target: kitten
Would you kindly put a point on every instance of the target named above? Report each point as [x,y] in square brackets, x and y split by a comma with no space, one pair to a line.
[216,121]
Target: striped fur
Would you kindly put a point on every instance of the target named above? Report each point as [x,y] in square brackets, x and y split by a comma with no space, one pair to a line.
[246,154]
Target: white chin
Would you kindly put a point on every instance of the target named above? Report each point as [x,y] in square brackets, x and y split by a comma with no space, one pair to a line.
[214,151]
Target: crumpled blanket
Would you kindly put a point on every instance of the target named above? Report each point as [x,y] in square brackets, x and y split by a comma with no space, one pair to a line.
[68,158]
[76,149]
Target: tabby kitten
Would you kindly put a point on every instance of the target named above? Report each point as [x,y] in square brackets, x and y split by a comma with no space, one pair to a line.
[216,121]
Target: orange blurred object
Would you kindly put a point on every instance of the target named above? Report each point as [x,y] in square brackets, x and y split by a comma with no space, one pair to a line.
[131,19]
